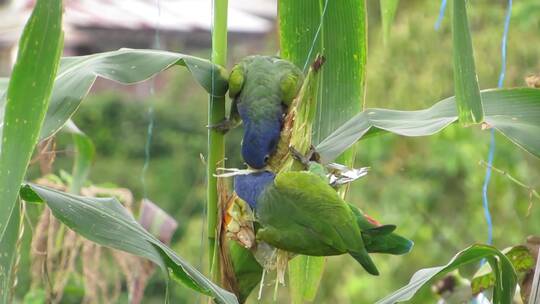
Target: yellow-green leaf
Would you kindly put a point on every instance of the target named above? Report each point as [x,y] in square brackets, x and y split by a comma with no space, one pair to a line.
[76,76]
[305,274]
[469,101]
[513,112]
[27,99]
[106,222]
[506,278]
[84,155]
[388,13]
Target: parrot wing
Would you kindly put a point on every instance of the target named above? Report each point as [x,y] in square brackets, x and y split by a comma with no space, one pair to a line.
[380,239]
[301,209]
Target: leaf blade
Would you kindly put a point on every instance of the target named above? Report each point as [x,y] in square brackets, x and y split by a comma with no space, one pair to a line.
[504,293]
[106,222]
[520,257]
[388,13]
[84,155]
[513,112]
[305,274]
[26,102]
[469,101]
[8,244]
[76,76]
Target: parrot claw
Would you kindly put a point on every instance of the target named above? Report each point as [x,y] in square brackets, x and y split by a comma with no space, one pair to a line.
[305,160]
[223,126]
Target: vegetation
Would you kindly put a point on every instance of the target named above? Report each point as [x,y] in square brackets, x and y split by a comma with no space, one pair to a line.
[429,187]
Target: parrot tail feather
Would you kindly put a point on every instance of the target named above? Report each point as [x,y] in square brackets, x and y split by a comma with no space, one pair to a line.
[380,230]
[365,260]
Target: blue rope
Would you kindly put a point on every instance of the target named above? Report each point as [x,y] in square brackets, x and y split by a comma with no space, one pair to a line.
[491,154]
[441,15]
[485,202]
[504,43]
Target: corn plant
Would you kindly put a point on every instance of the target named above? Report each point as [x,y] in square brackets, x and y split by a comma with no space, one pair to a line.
[45,91]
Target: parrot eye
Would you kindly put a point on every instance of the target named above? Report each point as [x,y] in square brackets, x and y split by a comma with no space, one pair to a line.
[266,158]
[236,80]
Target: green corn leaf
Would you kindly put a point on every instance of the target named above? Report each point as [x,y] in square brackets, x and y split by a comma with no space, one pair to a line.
[469,101]
[77,75]
[513,112]
[27,99]
[520,257]
[84,155]
[506,278]
[338,31]
[106,222]
[388,13]
[8,245]
[343,77]
[310,269]
[247,271]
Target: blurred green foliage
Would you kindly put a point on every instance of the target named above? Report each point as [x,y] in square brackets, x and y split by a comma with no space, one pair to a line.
[429,187]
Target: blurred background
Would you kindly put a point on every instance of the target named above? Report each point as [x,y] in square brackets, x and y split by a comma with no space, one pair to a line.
[429,187]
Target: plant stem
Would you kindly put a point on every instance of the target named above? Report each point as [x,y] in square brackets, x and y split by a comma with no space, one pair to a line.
[216,143]
[532,191]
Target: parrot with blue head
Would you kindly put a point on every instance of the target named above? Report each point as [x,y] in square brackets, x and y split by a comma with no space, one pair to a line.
[261,88]
[301,213]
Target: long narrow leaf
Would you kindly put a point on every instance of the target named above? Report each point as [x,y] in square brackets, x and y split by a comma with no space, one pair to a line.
[305,274]
[513,112]
[26,103]
[388,13]
[520,257]
[8,246]
[77,75]
[84,155]
[343,76]
[506,280]
[469,101]
[106,222]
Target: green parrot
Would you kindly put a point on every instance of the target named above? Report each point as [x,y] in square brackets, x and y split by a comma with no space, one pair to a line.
[262,87]
[377,238]
[299,212]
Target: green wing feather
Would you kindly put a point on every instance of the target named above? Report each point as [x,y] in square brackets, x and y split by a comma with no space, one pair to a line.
[377,239]
[301,213]
[380,239]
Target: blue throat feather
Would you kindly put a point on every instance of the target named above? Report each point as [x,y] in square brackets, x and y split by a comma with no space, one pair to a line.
[260,140]
[249,187]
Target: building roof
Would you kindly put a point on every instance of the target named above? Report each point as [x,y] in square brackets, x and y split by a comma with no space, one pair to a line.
[245,16]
